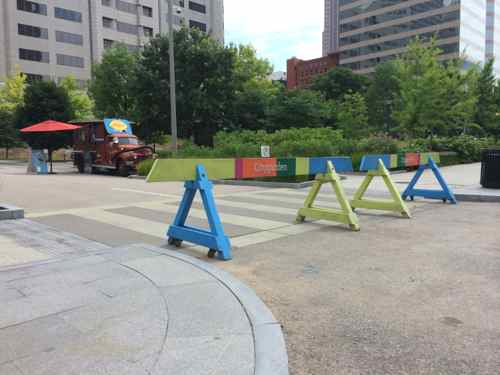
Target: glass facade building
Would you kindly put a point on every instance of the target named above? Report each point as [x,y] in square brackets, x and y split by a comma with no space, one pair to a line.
[368,32]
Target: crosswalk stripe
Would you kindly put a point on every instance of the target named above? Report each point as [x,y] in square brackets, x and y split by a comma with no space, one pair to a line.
[245,221]
[256,207]
[151,228]
[255,238]
[299,202]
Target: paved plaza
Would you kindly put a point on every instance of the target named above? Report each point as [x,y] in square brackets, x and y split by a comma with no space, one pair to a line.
[418,296]
[74,306]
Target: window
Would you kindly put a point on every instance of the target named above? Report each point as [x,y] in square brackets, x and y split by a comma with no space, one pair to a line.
[68,15]
[197,25]
[133,48]
[126,7]
[148,31]
[33,55]
[127,28]
[32,7]
[106,3]
[67,60]
[107,22]
[197,7]
[80,83]
[33,31]
[147,11]
[64,37]
[108,43]
[126,141]
[33,77]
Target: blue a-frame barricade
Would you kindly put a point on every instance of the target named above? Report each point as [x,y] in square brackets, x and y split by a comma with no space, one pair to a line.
[215,239]
[446,194]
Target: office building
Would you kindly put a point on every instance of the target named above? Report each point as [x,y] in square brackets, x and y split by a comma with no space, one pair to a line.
[368,32]
[51,39]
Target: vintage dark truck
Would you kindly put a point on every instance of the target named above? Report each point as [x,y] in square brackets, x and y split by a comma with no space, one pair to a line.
[108,145]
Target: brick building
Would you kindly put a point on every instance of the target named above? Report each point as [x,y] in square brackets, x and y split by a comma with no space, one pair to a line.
[300,73]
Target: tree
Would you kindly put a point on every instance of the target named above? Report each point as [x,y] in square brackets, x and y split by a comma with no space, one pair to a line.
[254,91]
[11,97]
[248,66]
[82,105]
[340,81]
[111,83]
[204,80]
[352,116]
[299,109]
[44,100]
[486,110]
[381,97]
[435,99]
[9,135]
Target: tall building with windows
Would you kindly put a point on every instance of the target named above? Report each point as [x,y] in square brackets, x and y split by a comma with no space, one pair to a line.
[368,32]
[51,39]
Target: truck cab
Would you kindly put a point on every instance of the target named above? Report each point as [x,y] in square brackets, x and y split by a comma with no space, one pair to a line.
[108,145]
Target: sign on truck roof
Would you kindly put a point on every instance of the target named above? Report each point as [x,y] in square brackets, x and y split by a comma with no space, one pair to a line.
[117,126]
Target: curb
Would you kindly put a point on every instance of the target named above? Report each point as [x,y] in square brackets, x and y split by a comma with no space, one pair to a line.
[268,184]
[9,212]
[482,198]
[271,357]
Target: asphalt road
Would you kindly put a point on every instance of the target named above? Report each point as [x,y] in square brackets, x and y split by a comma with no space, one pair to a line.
[419,296]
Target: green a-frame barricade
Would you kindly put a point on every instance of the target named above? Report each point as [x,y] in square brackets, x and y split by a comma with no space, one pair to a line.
[396,205]
[344,215]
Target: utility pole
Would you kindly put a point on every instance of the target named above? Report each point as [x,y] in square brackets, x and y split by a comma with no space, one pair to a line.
[173,104]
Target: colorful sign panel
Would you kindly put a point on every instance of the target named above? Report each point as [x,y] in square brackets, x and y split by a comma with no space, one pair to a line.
[256,167]
[341,164]
[117,126]
[398,161]
[370,163]
[412,159]
[185,169]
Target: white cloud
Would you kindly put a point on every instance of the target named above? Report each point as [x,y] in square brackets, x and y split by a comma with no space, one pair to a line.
[278,29]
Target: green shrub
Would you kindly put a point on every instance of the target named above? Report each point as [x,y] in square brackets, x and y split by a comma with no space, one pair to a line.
[378,144]
[144,167]
[469,148]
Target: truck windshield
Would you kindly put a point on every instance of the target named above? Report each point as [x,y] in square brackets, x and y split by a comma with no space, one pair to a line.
[128,141]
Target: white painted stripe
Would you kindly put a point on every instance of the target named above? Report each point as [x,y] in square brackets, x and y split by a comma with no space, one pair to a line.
[149,227]
[245,221]
[257,207]
[171,196]
[255,238]
[299,202]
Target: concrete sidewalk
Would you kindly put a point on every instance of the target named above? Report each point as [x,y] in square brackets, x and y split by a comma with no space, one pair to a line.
[73,306]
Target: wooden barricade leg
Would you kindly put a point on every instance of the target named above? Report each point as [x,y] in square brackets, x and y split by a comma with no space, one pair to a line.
[345,215]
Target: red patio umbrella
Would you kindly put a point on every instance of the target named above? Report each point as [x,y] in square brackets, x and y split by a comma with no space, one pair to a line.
[49,127]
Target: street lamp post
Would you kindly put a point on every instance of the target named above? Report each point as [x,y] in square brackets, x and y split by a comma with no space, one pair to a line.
[173,104]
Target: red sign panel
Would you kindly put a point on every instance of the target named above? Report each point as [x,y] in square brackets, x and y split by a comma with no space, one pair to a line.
[412,159]
[256,167]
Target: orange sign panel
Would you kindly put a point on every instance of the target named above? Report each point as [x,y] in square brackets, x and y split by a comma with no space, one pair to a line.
[256,167]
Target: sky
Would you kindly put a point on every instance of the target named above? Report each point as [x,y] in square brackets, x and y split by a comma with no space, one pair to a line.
[278,29]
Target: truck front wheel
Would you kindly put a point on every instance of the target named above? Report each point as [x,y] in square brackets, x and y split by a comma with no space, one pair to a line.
[79,164]
[123,169]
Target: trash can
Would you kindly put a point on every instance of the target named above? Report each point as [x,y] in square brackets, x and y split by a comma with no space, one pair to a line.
[490,169]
